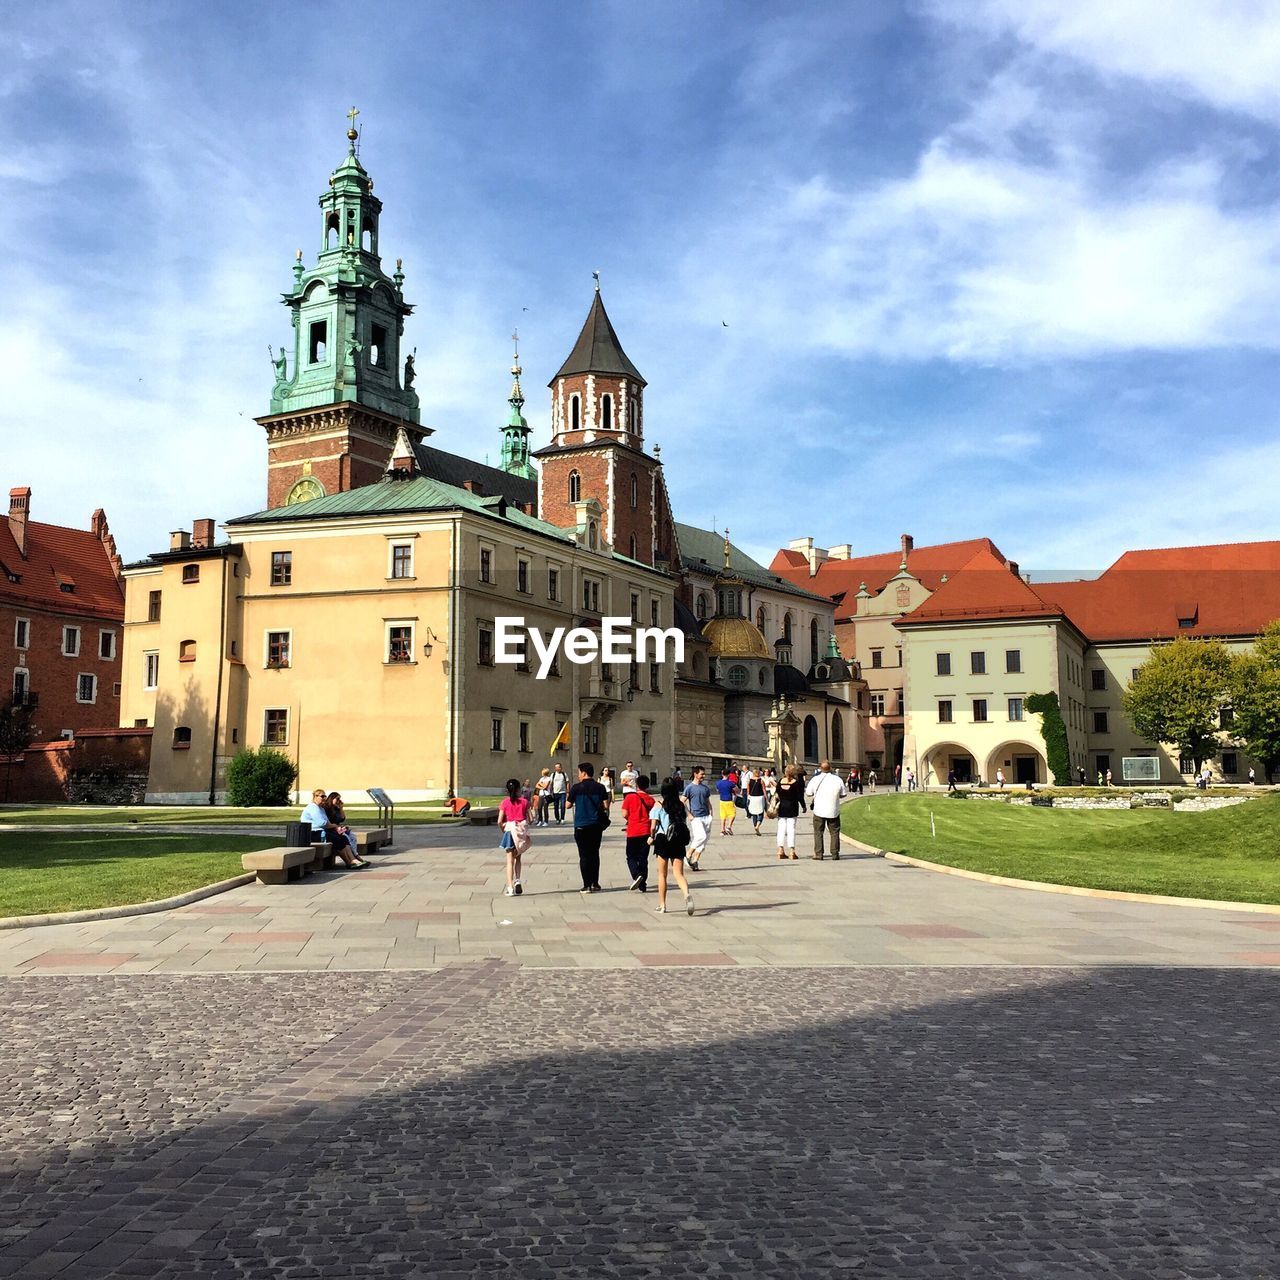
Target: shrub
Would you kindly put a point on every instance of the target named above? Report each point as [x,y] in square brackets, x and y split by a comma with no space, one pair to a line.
[1054,731]
[264,776]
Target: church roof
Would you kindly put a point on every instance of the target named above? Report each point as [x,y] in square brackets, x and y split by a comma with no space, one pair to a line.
[702,551]
[450,468]
[735,638]
[598,349]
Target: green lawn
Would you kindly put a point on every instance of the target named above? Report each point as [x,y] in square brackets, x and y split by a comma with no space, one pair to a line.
[1230,854]
[44,871]
[182,815]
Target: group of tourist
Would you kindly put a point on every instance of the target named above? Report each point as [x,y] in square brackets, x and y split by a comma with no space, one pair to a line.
[675,825]
[328,821]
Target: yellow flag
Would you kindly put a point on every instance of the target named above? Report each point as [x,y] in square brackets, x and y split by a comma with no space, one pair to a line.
[561,739]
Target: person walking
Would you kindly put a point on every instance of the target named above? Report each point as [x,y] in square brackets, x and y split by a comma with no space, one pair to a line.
[628,777]
[559,791]
[1109,783]
[670,838]
[951,780]
[697,800]
[897,777]
[790,802]
[1253,777]
[871,781]
[727,790]
[541,799]
[755,792]
[1080,774]
[590,817]
[513,817]
[637,809]
[824,793]
[1000,779]
[911,779]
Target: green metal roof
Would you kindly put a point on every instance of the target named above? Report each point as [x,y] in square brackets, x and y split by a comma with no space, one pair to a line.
[703,550]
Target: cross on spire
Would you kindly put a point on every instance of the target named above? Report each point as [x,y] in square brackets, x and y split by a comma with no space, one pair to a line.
[351,115]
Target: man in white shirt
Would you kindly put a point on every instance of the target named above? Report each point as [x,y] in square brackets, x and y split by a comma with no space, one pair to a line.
[824,792]
[628,778]
[559,791]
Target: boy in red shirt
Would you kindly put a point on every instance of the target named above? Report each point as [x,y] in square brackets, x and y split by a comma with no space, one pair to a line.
[637,805]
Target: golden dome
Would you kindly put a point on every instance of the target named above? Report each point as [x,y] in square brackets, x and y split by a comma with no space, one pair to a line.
[735,638]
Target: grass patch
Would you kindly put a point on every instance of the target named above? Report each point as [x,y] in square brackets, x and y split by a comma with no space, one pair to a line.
[42,871]
[159,815]
[1230,854]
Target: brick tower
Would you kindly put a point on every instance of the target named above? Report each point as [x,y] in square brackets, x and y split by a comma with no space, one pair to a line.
[597,454]
[338,405]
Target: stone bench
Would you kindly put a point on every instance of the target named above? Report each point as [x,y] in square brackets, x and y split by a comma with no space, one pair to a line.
[482,817]
[285,862]
[371,841]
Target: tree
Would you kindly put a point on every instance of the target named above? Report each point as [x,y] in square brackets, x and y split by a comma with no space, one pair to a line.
[17,733]
[1255,698]
[1178,694]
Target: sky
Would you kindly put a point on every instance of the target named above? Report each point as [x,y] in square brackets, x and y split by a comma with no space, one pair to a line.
[1004,268]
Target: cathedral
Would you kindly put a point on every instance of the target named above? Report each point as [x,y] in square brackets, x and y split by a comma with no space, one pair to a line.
[351,621]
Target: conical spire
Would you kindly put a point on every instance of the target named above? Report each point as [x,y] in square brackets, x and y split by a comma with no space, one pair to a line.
[598,349]
[515,435]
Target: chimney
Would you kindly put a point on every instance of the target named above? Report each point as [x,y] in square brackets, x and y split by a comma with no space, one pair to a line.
[843,552]
[19,513]
[179,540]
[202,533]
[1013,568]
[474,486]
[908,545]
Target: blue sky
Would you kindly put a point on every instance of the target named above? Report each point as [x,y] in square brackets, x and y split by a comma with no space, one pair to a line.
[994,267]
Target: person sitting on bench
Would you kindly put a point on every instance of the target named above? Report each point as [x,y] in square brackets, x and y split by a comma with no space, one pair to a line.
[324,828]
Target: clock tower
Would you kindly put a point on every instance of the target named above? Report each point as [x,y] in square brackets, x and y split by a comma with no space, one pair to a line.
[343,388]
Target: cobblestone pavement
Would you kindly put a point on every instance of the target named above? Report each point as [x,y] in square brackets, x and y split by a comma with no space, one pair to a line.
[437,900]
[907,1122]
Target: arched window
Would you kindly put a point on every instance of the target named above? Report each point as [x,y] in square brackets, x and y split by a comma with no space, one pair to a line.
[181,738]
[700,606]
[606,412]
[813,641]
[635,491]
[575,487]
[760,620]
[575,413]
[633,415]
[810,738]
[633,548]
[837,736]
[331,231]
[187,651]
[737,676]
[786,627]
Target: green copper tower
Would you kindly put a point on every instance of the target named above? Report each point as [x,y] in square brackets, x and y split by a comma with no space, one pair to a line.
[347,313]
[515,435]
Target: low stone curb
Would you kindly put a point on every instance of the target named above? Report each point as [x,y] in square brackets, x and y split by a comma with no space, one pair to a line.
[1080,891]
[128,909]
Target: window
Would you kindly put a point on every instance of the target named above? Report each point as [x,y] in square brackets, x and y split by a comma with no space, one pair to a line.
[606,412]
[182,738]
[655,683]
[877,704]
[635,606]
[190,573]
[1013,660]
[106,645]
[275,726]
[522,576]
[979,710]
[1098,679]
[1100,722]
[281,568]
[377,342]
[187,651]
[486,564]
[1133,675]
[633,548]
[591,739]
[633,675]
[524,736]
[977,664]
[575,421]
[944,664]
[575,482]
[153,607]
[319,336]
[400,642]
[554,668]
[70,642]
[1226,717]
[813,641]
[553,584]
[1186,764]
[646,740]
[22,633]
[484,651]
[591,595]
[635,491]
[786,627]
[737,676]
[151,670]
[235,648]
[1230,762]
[877,657]
[495,734]
[235,736]
[402,559]
[278,646]
[654,613]
[944,711]
[87,688]
[1015,708]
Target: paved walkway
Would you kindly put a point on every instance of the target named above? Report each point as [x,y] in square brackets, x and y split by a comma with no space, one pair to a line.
[437,900]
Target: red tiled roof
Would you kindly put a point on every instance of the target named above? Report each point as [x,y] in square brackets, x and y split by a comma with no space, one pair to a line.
[984,588]
[928,564]
[56,554]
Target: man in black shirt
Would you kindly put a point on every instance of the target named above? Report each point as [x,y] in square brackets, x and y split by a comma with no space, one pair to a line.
[590,802]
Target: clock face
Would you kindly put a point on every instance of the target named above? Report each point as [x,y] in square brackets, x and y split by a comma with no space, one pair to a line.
[304,491]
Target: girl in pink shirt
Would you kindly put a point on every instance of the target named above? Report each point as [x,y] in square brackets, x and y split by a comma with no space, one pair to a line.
[513,817]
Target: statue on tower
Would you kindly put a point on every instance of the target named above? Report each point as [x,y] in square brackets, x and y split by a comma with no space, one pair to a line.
[409,373]
[281,363]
